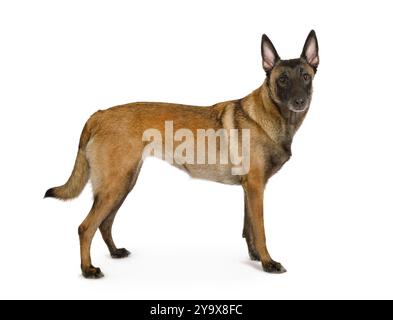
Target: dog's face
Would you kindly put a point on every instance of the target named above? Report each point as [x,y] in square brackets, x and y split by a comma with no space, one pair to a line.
[290,81]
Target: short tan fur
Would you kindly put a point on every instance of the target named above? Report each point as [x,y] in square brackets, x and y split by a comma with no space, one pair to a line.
[111,148]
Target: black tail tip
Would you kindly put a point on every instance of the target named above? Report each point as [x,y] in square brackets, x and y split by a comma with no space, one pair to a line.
[49,193]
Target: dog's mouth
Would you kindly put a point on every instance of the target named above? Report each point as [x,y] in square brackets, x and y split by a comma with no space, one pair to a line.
[298,109]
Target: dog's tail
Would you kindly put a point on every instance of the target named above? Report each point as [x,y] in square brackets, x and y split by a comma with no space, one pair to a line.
[79,176]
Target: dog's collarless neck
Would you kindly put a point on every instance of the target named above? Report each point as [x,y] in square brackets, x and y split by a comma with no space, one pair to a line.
[284,122]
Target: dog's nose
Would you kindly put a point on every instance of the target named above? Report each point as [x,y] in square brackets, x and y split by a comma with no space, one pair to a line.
[299,102]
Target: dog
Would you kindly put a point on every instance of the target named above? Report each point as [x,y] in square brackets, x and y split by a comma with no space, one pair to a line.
[112,148]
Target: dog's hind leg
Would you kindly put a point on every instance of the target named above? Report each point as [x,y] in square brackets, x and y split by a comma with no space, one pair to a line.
[113,168]
[106,232]
[106,225]
[104,203]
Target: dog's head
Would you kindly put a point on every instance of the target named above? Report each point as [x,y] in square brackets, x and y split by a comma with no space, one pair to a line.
[290,81]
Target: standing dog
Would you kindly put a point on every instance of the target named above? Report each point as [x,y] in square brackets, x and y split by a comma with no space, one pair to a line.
[112,145]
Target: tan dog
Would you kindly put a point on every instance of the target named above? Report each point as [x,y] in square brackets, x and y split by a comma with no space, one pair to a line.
[113,145]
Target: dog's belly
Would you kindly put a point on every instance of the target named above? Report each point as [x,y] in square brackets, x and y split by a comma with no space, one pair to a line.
[211,172]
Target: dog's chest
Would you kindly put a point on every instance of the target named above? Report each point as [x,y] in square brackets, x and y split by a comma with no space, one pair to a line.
[275,157]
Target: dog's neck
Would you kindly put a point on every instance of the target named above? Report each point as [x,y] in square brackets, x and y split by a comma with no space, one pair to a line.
[279,124]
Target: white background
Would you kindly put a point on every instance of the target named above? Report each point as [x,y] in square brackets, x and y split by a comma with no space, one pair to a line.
[328,211]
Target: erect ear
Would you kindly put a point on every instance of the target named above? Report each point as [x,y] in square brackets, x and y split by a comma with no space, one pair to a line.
[310,50]
[269,54]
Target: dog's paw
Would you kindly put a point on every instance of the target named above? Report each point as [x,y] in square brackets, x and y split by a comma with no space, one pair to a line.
[273,267]
[92,273]
[120,253]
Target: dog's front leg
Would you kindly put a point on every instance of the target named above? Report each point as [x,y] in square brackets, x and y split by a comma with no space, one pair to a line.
[254,187]
[248,235]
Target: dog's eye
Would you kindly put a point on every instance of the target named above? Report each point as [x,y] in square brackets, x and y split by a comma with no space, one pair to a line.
[283,80]
[306,77]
